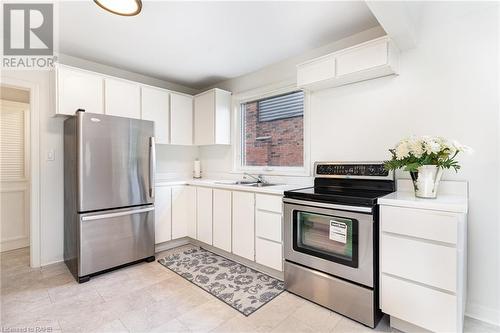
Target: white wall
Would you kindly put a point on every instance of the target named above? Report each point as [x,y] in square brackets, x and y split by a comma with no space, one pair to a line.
[447,86]
[170,160]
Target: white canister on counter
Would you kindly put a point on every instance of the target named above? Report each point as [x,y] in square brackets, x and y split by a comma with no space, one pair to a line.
[197,169]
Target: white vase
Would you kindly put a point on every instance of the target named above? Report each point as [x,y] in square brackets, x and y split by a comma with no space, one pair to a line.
[426,181]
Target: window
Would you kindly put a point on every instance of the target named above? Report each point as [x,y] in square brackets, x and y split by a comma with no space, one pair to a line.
[272,132]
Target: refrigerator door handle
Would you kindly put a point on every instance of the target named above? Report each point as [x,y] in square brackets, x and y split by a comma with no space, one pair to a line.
[152,166]
[110,215]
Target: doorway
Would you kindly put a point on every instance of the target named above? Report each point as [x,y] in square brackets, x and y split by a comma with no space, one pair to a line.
[15,182]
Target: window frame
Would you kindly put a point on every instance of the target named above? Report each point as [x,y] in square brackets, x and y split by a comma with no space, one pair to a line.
[238,133]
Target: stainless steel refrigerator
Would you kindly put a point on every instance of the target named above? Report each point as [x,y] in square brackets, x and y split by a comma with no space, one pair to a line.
[109,167]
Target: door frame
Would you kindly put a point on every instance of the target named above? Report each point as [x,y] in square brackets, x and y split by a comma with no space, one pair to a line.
[34,160]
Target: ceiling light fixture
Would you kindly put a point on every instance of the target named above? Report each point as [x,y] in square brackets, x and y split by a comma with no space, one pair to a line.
[121,7]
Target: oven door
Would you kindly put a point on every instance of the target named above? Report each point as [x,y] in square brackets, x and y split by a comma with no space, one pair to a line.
[326,238]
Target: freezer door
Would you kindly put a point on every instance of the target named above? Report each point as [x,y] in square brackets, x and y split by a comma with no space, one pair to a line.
[115,238]
[115,161]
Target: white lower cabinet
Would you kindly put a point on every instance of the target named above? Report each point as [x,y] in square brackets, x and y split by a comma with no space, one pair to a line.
[222,201]
[163,214]
[204,214]
[268,231]
[422,268]
[243,237]
[183,212]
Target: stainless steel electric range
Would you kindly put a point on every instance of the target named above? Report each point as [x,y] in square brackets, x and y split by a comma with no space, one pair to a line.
[331,238]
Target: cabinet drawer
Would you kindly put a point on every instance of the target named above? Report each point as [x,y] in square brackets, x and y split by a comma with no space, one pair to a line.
[272,203]
[431,264]
[421,306]
[317,70]
[364,57]
[269,254]
[426,224]
[268,225]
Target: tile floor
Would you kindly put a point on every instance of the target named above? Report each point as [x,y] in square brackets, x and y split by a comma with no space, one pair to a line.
[148,298]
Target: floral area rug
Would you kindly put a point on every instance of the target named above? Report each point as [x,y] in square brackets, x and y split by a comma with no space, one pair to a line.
[241,287]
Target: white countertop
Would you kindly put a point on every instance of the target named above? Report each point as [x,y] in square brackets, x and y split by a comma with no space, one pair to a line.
[444,202]
[226,184]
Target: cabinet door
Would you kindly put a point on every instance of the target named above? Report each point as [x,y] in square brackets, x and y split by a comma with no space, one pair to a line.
[183,212]
[222,219]
[122,98]
[163,214]
[204,118]
[366,56]
[243,224]
[155,106]
[204,214]
[181,119]
[79,90]
[222,117]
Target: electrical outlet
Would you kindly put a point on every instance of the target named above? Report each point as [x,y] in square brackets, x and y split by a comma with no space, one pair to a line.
[51,155]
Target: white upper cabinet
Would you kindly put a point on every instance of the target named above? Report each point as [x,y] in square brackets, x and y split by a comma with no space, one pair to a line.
[123,98]
[155,106]
[78,89]
[181,119]
[369,60]
[212,117]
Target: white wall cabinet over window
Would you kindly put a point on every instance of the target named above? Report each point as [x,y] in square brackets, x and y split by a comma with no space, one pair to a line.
[204,214]
[369,60]
[163,214]
[181,119]
[243,224]
[222,219]
[78,89]
[123,98]
[155,106]
[212,117]
[183,212]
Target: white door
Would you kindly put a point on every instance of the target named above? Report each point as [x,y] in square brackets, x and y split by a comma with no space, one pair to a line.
[204,214]
[77,89]
[243,224]
[122,98]
[163,214]
[183,212]
[222,219]
[181,119]
[156,107]
[14,175]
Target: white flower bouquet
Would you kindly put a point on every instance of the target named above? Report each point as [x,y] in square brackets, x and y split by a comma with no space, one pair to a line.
[425,158]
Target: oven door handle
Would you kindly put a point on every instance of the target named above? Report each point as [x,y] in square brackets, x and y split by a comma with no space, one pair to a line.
[327,205]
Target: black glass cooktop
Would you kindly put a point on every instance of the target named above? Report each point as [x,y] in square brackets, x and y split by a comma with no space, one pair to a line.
[354,197]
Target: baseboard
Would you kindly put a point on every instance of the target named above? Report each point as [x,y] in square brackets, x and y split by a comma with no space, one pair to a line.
[14,244]
[483,313]
[171,244]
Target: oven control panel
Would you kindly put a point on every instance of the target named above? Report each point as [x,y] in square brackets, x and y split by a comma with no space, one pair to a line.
[364,170]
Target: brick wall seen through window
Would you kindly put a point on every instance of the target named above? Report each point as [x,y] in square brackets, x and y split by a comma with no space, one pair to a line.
[278,141]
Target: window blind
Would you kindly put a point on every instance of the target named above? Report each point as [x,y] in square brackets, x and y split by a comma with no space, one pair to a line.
[12,144]
[281,107]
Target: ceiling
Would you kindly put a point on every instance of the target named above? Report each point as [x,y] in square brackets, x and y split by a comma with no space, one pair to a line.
[198,44]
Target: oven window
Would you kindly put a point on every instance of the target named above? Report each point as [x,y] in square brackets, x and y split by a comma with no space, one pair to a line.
[329,237]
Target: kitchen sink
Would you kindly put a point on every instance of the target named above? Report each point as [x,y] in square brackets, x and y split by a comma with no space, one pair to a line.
[245,183]
[263,184]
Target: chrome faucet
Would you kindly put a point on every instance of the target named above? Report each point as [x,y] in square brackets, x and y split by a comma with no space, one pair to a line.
[258,178]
